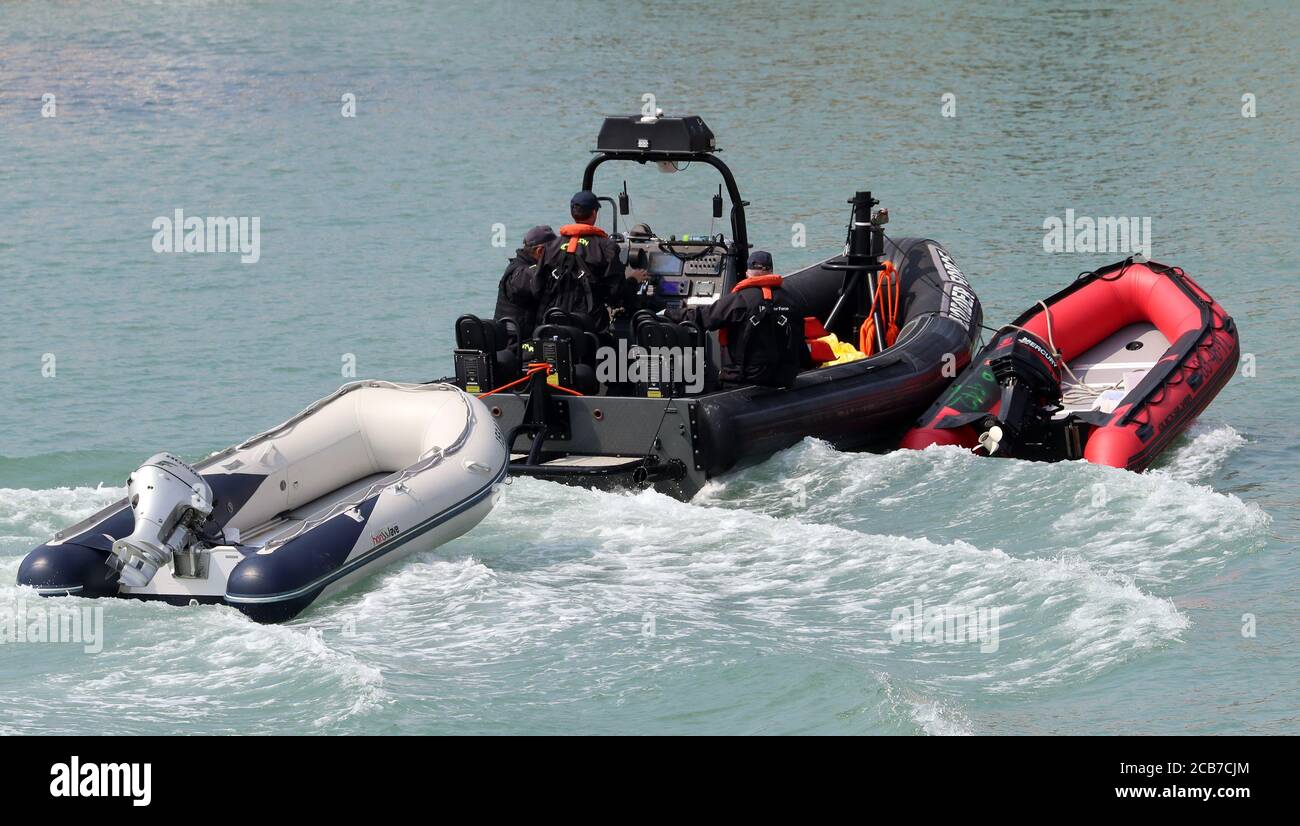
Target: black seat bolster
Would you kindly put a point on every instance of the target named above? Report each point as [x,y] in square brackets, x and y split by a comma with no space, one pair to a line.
[507,365]
[473,333]
[508,333]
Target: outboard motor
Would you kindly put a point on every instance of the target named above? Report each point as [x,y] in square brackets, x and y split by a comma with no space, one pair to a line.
[171,503]
[1029,374]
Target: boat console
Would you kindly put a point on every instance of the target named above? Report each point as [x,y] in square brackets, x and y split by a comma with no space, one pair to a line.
[691,269]
[678,273]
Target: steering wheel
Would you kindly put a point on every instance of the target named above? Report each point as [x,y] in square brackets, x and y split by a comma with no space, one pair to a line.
[705,247]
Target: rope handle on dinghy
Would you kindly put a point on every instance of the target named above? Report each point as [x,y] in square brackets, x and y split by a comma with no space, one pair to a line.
[1211,322]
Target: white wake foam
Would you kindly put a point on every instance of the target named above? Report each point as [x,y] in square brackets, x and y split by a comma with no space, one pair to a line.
[1204,454]
[937,718]
[566,596]
[571,572]
[1158,528]
[30,517]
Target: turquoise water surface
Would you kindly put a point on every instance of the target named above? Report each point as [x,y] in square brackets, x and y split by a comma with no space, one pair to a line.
[765,605]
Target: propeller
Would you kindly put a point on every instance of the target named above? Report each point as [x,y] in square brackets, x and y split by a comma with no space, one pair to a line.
[990,439]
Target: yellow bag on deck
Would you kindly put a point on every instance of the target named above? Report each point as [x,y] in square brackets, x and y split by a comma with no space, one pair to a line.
[844,352]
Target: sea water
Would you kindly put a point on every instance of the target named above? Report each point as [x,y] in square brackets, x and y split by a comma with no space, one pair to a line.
[790,597]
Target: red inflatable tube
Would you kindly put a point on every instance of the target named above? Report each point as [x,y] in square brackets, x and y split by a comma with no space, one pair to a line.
[1202,356]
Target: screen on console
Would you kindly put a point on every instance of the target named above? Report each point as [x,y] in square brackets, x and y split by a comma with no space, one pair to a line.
[662,263]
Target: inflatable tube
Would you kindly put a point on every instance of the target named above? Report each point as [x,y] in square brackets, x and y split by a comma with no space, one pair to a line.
[865,403]
[1153,345]
[363,478]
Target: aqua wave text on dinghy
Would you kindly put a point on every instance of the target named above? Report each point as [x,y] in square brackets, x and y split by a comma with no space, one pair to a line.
[360,479]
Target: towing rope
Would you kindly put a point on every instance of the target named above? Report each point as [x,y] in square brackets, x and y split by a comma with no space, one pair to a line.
[536,367]
[1079,392]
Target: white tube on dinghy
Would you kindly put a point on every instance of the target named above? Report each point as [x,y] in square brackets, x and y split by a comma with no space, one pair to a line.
[361,479]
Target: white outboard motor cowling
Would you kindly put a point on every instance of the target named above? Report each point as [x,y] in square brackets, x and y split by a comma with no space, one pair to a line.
[171,503]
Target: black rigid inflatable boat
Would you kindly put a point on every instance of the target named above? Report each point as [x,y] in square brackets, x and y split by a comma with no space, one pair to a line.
[564,424]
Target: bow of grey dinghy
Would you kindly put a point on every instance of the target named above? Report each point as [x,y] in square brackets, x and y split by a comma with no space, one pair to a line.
[369,475]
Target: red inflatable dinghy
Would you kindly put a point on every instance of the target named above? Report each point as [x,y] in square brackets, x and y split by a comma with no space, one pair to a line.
[1110,369]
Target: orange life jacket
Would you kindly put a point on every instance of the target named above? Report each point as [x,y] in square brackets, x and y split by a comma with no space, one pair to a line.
[812,326]
[575,231]
[764,282]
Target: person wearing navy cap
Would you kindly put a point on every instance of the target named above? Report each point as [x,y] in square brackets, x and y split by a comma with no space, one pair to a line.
[519,292]
[760,263]
[582,269]
[762,326]
[583,206]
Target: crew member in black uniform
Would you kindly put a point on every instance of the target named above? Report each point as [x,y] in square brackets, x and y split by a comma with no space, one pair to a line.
[761,328]
[519,292]
[582,271]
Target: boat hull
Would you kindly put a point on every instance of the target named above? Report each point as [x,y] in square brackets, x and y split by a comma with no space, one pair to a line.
[676,445]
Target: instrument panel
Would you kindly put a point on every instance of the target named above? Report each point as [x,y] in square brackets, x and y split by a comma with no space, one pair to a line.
[694,276]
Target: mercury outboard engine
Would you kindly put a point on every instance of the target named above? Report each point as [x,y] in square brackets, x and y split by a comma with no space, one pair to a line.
[1029,374]
[171,503]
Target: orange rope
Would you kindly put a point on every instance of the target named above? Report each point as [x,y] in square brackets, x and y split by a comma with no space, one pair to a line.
[535,367]
[889,288]
[531,370]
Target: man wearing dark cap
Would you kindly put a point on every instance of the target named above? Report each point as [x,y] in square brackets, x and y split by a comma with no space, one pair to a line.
[582,271]
[519,292]
[760,263]
[762,326]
